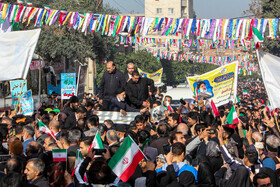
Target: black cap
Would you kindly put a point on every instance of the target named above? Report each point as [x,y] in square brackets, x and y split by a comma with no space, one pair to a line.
[120,90]
[121,128]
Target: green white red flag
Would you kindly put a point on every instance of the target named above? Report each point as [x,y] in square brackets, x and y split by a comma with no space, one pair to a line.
[78,160]
[258,38]
[245,93]
[59,155]
[126,159]
[169,108]
[45,130]
[232,117]
[96,143]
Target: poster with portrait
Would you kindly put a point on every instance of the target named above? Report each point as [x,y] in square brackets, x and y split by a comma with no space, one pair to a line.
[156,76]
[219,85]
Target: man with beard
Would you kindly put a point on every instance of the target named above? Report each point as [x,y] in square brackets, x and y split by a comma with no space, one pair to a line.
[138,89]
[71,108]
[130,68]
[118,103]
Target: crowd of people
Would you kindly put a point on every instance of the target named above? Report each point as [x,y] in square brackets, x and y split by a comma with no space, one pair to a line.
[186,147]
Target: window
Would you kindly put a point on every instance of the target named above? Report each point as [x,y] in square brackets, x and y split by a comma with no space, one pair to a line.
[159,10]
[170,11]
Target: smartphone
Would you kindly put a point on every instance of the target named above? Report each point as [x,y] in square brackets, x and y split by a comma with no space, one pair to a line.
[166,149]
[182,101]
[278,151]
[99,151]
[211,131]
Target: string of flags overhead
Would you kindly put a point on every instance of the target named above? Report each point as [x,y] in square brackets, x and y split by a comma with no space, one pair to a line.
[187,43]
[209,33]
[112,25]
[184,56]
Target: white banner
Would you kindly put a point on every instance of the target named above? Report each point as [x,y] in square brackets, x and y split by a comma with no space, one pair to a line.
[117,117]
[270,69]
[16,51]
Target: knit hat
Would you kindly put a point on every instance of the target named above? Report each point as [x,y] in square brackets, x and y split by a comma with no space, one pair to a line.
[269,163]
[16,147]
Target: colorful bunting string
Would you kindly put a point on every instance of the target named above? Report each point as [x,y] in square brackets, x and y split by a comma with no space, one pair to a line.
[112,25]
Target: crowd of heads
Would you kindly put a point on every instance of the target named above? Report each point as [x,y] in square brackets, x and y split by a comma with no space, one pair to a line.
[187,146]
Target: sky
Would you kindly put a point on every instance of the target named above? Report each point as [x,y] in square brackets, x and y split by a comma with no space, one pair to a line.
[203,8]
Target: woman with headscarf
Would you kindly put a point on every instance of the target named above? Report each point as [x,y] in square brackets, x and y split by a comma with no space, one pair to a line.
[205,176]
[241,177]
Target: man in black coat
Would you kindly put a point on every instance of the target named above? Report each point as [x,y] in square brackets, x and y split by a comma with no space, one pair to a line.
[111,80]
[138,90]
[118,103]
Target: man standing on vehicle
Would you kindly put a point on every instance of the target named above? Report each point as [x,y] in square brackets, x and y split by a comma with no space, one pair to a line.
[112,80]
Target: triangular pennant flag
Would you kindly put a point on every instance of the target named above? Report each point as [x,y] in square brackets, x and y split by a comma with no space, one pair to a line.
[126,159]
[96,143]
[45,130]
[215,111]
[232,117]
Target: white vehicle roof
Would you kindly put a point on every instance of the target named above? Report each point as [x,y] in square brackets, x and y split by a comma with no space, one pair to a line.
[181,92]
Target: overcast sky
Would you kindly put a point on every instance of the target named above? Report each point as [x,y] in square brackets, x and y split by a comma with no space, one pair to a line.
[203,8]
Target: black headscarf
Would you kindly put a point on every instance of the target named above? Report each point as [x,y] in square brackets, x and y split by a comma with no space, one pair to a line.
[241,177]
[205,175]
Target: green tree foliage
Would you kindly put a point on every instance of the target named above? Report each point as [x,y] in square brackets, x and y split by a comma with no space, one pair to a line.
[55,41]
[174,72]
[271,9]
[266,9]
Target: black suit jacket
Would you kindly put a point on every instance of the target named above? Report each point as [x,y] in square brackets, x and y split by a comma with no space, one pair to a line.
[109,84]
[116,105]
[70,122]
[137,94]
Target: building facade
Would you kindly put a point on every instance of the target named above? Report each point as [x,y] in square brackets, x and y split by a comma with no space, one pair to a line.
[169,8]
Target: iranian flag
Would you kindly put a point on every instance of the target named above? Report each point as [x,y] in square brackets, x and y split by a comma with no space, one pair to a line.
[215,111]
[96,143]
[245,93]
[45,130]
[237,99]
[126,159]
[232,117]
[59,155]
[258,38]
[78,160]
[169,108]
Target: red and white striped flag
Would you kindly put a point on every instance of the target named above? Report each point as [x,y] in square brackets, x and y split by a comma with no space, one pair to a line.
[215,111]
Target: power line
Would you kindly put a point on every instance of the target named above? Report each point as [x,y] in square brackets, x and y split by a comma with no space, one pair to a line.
[121,6]
[143,6]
